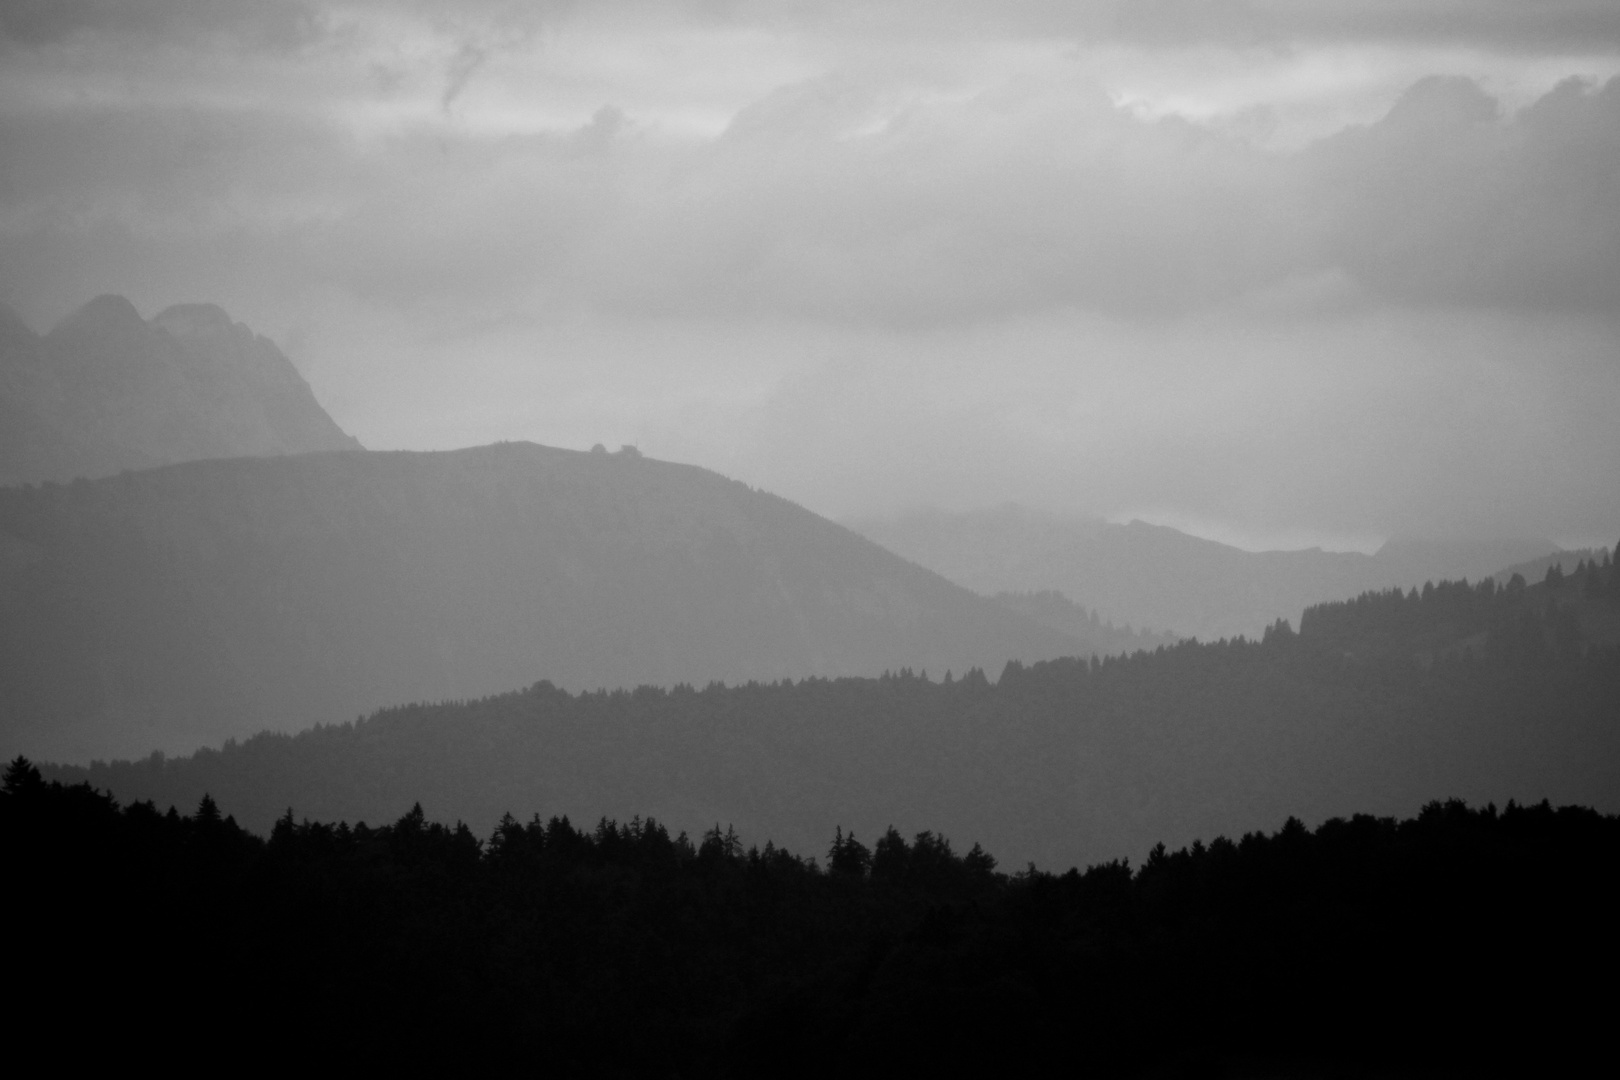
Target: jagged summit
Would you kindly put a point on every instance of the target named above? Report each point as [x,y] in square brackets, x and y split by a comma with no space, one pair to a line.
[108,311]
[194,318]
[106,390]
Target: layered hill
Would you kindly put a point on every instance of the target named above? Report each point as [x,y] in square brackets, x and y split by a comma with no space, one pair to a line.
[1381,704]
[1097,636]
[1159,578]
[1536,569]
[176,607]
[106,390]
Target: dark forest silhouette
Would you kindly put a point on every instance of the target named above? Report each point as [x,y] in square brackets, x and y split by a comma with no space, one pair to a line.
[1460,939]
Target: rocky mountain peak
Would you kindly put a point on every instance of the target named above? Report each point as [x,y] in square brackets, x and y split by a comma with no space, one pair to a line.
[106,314]
[106,390]
[198,321]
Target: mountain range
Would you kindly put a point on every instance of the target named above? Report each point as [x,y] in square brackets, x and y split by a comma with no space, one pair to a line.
[176,607]
[106,390]
[1158,578]
[278,576]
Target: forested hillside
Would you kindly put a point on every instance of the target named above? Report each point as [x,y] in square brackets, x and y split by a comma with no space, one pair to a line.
[1461,941]
[178,607]
[1157,578]
[106,390]
[1471,691]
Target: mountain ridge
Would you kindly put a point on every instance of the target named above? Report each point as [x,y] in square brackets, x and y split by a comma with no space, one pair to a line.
[173,607]
[1160,579]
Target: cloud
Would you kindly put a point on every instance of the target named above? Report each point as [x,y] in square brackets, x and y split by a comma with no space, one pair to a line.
[1557,25]
[856,196]
[838,199]
[874,268]
[468,29]
[463,65]
[1041,195]
[270,24]
[1443,423]
[1445,201]
[1031,195]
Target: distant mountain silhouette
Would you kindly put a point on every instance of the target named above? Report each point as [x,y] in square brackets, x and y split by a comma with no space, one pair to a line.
[1158,578]
[175,607]
[107,390]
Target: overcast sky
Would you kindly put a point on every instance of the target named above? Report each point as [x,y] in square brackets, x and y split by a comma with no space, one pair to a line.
[1282,272]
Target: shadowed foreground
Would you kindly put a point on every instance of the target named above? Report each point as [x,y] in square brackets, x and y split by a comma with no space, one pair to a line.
[1458,939]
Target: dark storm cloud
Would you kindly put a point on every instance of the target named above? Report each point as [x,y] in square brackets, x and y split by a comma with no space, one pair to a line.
[1512,24]
[276,24]
[1035,197]
[1560,25]
[192,195]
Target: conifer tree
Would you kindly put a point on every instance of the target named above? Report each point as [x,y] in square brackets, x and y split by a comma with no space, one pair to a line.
[22,777]
[848,856]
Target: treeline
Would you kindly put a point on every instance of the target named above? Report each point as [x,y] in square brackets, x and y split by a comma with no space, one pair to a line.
[1511,624]
[1458,939]
[1374,706]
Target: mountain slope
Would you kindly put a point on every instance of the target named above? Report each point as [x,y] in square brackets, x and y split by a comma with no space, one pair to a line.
[1155,577]
[173,607]
[106,390]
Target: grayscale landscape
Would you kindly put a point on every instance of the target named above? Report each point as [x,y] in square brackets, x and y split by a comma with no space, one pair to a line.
[759,537]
